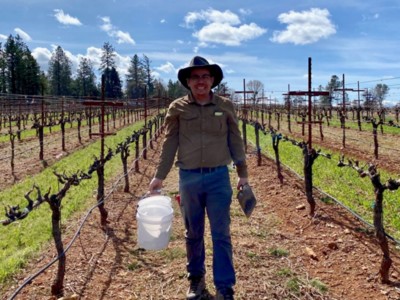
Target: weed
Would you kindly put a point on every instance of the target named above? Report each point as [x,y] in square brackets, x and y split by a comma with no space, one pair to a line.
[285,272]
[173,253]
[278,252]
[259,233]
[327,200]
[293,285]
[134,266]
[319,285]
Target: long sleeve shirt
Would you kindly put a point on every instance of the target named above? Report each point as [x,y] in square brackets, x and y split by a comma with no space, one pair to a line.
[203,135]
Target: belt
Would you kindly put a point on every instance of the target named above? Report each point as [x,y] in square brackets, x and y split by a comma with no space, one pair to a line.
[203,170]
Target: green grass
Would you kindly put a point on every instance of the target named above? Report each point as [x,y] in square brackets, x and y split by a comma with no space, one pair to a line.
[172,254]
[293,285]
[133,266]
[278,252]
[344,184]
[319,285]
[254,258]
[285,272]
[20,240]
[365,126]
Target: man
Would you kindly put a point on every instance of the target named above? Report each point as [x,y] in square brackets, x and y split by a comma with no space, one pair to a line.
[203,128]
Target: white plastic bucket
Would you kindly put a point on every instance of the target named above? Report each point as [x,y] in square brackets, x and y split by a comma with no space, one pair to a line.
[154,224]
[156,200]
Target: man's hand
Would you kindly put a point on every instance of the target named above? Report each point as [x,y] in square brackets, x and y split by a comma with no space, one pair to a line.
[155,186]
[242,181]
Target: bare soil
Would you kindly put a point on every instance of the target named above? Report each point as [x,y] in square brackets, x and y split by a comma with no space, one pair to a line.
[279,253]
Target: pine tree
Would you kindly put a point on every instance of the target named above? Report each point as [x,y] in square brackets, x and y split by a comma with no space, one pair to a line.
[135,79]
[107,57]
[3,65]
[86,79]
[20,72]
[31,75]
[113,86]
[159,88]
[149,80]
[176,89]
[60,73]
[14,55]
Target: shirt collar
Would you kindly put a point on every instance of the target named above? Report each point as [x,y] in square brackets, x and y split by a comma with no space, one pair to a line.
[213,100]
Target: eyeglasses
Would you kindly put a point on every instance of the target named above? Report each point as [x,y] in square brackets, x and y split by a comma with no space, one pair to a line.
[197,77]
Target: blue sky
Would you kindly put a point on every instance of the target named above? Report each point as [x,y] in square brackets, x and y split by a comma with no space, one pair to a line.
[269,41]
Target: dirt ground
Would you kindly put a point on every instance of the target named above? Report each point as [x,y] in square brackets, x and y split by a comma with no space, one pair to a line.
[279,253]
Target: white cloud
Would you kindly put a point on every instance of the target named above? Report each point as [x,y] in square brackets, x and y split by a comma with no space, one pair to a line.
[245,12]
[167,68]
[222,27]
[42,56]
[212,16]
[368,18]
[163,21]
[94,54]
[106,26]
[228,35]
[66,19]
[122,62]
[74,60]
[124,37]
[304,27]
[112,31]
[3,37]
[26,37]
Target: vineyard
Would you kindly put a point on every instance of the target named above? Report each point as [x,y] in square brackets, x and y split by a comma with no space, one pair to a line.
[91,161]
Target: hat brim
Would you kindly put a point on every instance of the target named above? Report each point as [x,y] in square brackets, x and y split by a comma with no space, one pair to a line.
[215,71]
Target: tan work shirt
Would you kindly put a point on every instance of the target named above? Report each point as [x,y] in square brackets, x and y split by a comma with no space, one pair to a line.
[204,136]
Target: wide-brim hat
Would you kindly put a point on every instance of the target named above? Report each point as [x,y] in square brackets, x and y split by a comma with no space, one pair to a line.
[200,62]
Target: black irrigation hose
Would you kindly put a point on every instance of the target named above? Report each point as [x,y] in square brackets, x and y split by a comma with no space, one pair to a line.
[354,213]
[115,184]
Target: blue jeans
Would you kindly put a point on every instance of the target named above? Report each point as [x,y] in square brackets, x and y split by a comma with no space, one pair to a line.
[211,193]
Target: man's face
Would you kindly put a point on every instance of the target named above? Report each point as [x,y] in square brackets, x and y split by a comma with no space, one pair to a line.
[200,82]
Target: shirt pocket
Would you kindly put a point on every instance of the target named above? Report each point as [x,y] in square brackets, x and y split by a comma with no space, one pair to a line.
[189,121]
[216,125]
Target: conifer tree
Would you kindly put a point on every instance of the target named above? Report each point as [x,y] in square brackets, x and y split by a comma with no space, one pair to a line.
[59,73]
[113,86]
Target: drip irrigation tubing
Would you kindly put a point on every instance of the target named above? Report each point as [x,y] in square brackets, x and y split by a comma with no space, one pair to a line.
[359,217]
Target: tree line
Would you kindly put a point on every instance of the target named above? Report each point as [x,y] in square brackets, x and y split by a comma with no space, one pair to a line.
[20,73]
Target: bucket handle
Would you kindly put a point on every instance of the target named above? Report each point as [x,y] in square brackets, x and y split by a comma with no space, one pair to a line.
[148,194]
